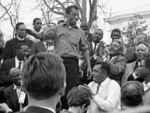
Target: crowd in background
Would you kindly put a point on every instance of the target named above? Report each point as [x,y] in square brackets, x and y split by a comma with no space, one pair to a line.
[67,69]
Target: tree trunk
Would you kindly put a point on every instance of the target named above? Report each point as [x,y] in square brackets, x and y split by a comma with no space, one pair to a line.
[93,12]
[84,10]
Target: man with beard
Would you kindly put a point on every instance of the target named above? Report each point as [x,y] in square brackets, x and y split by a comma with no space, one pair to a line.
[141,51]
[22,53]
[10,48]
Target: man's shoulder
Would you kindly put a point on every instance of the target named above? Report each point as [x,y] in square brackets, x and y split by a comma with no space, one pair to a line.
[12,40]
[8,89]
[28,40]
[114,83]
[7,61]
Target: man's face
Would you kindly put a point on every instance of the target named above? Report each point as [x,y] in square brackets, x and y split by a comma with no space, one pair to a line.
[73,17]
[37,25]
[21,31]
[140,53]
[98,74]
[17,79]
[15,76]
[97,36]
[114,48]
[23,53]
[115,35]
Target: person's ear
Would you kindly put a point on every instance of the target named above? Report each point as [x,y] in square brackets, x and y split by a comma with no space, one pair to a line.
[84,108]
[62,90]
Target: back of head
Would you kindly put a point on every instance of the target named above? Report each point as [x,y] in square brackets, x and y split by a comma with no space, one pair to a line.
[132,94]
[79,96]
[43,75]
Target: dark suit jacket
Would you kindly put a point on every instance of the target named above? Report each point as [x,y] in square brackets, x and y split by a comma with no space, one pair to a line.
[36,109]
[10,48]
[5,79]
[11,98]
[37,48]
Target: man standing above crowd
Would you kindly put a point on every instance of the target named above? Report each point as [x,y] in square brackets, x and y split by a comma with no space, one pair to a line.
[10,48]
[69,42]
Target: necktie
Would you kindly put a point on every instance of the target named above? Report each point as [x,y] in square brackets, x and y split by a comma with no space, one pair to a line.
[97,88]
[19,65]
[95,47]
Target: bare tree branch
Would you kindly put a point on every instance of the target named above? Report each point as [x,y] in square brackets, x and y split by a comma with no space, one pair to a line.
[6,11]
[60,4]
[52,9]
[78,4]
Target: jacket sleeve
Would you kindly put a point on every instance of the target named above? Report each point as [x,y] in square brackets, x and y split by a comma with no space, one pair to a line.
[118,66]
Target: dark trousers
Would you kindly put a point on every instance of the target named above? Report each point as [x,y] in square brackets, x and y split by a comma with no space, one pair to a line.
[72,77]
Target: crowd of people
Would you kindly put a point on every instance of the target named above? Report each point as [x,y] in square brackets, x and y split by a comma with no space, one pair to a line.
[67,69]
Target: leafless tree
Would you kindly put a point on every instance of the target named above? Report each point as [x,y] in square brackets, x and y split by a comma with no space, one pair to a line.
[10,11]
[57,7]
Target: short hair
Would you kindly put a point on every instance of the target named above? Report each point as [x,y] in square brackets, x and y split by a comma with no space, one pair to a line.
[68,9]
[35,19]
[78,96]
[98,29]
[132,93]
[84,26]
[19,45]
[43,75]
[104,66]
[116,30]
[60,21]
[18,24]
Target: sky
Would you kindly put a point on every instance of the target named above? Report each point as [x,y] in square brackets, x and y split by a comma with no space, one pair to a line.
[28,13]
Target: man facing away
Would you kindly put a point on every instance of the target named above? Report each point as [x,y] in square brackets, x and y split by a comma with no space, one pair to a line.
[43,78]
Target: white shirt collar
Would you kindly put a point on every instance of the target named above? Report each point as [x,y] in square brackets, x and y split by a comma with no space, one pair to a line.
[21,39]
[51,109]
[17,62]
[15,87]
[146,86]
[105,82]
